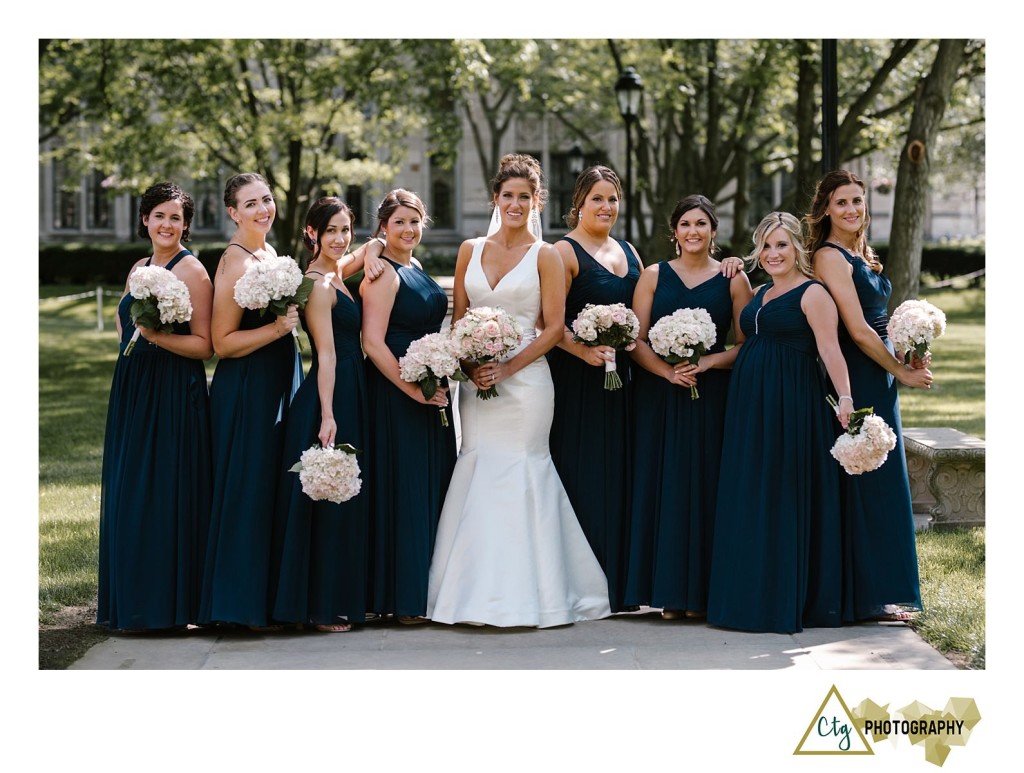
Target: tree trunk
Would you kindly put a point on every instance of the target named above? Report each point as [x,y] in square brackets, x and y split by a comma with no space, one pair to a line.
[912,181]
[806,109]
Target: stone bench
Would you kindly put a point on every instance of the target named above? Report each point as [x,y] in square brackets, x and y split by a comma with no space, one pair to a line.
[947,477]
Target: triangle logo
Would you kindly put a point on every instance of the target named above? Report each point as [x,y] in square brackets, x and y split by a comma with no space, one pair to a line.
[833,730]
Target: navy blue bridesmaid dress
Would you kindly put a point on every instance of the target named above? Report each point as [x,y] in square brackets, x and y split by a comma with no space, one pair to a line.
[675,475]
[591,432]
[776,556]
[411,458]
[879,546]
[322,547]
[156,485]
[249,400]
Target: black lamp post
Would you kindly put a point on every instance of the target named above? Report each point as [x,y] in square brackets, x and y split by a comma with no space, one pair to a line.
[628,90]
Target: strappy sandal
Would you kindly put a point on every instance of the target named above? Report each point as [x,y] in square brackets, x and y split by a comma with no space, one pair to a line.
[334,628]
[412,619]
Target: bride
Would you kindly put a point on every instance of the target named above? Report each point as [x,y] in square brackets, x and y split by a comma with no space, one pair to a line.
[509,549]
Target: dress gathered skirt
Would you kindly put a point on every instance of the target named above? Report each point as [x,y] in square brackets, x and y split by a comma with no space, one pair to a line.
[592,427]
[411,458]
[776,556]
[249,401]
[510,551]
[879,545]
[677,462]
[156,485]
[321,559]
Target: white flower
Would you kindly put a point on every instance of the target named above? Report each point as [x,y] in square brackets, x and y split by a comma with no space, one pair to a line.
[432,355]
[606,325]
[679,335]
[170,293]
[867,448]
[266,280]
[330,474]
[914,325]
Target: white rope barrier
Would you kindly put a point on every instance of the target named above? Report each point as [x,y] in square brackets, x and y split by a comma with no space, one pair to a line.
[98,294]
[949,282]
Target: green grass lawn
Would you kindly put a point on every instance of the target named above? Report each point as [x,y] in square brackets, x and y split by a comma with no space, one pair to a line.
[76,364]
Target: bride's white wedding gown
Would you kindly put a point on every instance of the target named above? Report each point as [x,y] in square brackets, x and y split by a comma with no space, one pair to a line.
[509,549]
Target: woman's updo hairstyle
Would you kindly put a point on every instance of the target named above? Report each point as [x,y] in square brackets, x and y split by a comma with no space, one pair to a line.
[236,183]
[318,218]
[585,182]
[392,200]
[156,195]
[522,166]
[694,201]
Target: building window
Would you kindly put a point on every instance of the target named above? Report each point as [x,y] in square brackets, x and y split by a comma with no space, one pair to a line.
[67,212]
[442,195]
[99,203]
[561,183]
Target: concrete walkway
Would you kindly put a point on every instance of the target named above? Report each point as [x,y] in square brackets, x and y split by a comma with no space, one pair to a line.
[640,640]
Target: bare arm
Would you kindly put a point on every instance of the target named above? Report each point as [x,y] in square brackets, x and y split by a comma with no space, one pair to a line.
[197,344]
[318,323]
[823,318]
[366,257]
[378,301]
[832,269]
[228,339]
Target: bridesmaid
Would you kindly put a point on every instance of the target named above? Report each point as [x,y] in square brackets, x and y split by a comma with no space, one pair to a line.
[322,548]
[156,485]
[776,551]
[411,453]
[678,439]
[249,397]
[880,577]
[591,442]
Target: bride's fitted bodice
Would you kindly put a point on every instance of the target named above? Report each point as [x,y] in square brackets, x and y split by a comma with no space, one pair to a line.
[518,292]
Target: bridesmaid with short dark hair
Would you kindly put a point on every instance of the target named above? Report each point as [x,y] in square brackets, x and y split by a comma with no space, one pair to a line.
[156,485]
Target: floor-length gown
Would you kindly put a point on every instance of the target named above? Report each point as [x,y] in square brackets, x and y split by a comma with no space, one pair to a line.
[411,458]
[322,551]
[156,485]
[676,462]
[592,427]
[249,400]
[776,556]
[510,551]
[879,546]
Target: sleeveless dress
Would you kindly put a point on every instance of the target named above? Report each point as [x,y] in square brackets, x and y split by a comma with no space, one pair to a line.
[322,559]
[249,399]
[776,558]
[156,485]
[879,546]
[510,551]
[676,462]
[591,432]
[411,458]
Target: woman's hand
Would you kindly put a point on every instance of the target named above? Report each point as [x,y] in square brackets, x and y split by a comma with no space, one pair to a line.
[685,374]
[920,378]
[439,400]
[328,430]
[373,263]
[731,266]
[597,355]
[920,362]
[287,323]
[490,374]
[843,411]
[150,334]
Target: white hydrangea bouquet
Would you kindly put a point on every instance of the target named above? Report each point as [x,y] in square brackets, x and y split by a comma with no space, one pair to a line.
[161,299]
[273,284]
[330,473]
[685,335]
[866,443]
[612,325]
[485,334]
[914,325]
[428,360]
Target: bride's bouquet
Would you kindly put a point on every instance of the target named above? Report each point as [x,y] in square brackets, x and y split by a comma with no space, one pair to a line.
[866,443]
[485,334]
[612,325]
[914,325]
[273,284]
[329,473]
[427,361]
[683,336]
[161,299]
